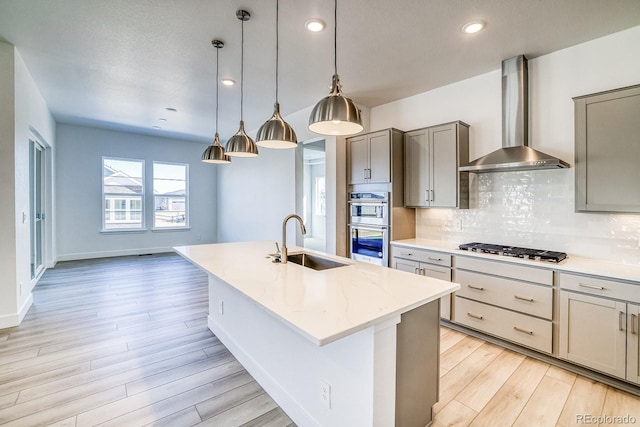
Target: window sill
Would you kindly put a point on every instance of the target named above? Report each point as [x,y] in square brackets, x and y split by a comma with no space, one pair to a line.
[123,231]
[163,229]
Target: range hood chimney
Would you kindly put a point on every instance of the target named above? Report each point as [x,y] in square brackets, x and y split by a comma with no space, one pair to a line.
[515,154]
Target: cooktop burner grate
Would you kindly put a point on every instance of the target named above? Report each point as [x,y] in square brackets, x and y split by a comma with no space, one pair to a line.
[514,251]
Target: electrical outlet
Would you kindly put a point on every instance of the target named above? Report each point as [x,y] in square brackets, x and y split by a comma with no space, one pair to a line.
[325,393]
[221,306]
[198,237]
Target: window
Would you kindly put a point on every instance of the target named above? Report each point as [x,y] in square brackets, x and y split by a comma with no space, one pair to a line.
[171,203]
[122,194]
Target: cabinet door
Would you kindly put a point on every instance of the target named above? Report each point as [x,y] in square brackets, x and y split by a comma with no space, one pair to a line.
[380,157]
[358,159]
[416,168]
[607,149]
[592,332]
[445,166]
[405,265]
[633,343]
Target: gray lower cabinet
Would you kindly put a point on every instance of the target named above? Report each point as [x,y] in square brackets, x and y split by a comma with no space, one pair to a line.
[427,263]
[512,302]
[432,158]
[599,325]
[607,147]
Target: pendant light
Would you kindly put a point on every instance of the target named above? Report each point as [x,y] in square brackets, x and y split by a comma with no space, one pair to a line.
[335,114]
[214,152]
[275,132]
[240,145]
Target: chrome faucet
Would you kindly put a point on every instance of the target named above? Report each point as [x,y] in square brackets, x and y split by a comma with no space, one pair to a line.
[283,257]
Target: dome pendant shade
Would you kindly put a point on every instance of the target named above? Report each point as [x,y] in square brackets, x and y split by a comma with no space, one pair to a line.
[276,133]
[240,145]
[335,114]
[215,153]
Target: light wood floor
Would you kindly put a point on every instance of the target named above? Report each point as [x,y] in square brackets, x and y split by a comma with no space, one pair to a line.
[124,342]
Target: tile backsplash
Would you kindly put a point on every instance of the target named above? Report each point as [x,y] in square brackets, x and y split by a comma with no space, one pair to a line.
[533,209]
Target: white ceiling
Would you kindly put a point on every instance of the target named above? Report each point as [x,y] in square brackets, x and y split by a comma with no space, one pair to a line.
[120,63]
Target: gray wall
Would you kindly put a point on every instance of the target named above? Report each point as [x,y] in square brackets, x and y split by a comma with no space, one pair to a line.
[79,191]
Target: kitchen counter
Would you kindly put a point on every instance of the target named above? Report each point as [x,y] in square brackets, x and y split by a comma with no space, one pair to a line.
[351,346]
[322,306]
[572,264]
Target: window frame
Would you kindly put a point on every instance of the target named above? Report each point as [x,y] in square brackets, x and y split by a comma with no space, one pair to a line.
[185,224]
[122,196]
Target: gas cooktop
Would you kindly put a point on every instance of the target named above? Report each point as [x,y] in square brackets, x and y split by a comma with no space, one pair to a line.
[513,251]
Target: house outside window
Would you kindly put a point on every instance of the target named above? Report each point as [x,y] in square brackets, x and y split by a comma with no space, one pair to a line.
[122,194]
[171,195]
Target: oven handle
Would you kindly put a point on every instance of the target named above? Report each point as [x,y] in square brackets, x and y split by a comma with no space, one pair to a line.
[377,203]
[360,227]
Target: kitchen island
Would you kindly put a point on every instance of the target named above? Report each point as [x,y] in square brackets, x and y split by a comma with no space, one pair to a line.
[355,345]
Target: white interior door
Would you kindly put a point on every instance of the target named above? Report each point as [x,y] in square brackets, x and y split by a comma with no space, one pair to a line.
[36,181]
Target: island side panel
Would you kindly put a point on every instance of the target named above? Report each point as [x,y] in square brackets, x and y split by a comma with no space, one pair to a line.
[290,367]
[418,365]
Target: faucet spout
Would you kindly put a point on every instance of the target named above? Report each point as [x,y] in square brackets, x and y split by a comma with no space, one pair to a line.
[303,230]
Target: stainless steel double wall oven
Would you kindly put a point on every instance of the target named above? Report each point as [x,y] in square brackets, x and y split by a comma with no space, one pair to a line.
[369,227]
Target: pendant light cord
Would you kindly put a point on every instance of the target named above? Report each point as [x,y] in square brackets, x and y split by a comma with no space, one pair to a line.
[217,66]
[277,45]
[242,71]
[335,37]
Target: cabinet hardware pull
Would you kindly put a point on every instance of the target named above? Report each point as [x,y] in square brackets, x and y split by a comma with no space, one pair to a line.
[620,317]
[477,288]
[475,316]
[416,270]
[634,322]
[421,271]
[406,253]
[523,298]
[522,330]
[600,288]
[432,195]
[434,259]
[426,195]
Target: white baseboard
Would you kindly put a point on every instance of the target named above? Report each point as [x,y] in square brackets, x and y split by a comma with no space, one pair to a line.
[114,253]
[14,319]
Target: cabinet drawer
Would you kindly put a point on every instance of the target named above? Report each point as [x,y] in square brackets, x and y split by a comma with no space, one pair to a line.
[431,257]
[601,287]
[527,298]
[520,328]
[515,271]
[442,273]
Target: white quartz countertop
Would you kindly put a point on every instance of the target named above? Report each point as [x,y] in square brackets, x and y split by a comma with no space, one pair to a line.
[572,264]
[323,306]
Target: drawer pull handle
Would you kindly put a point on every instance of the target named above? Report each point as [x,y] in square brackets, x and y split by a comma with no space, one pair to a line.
[621,316]
[406,253]
[523,330]
[523,298]
[435,259]
[634,322]
[475,316]
[477,288]
[600,288]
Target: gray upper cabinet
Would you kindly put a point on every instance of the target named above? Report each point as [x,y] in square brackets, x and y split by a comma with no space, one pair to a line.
[370,158]
[432,158]
[607,138]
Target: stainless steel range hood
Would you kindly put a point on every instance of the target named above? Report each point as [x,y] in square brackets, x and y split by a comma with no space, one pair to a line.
[515,154]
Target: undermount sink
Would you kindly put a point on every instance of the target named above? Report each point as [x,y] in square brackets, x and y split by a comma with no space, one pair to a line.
[314,262]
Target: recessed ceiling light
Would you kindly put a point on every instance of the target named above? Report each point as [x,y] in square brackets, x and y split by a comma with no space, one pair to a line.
[314,24]
[228,82]
[473,27]
[162,119]
[156,127]
[173,110]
